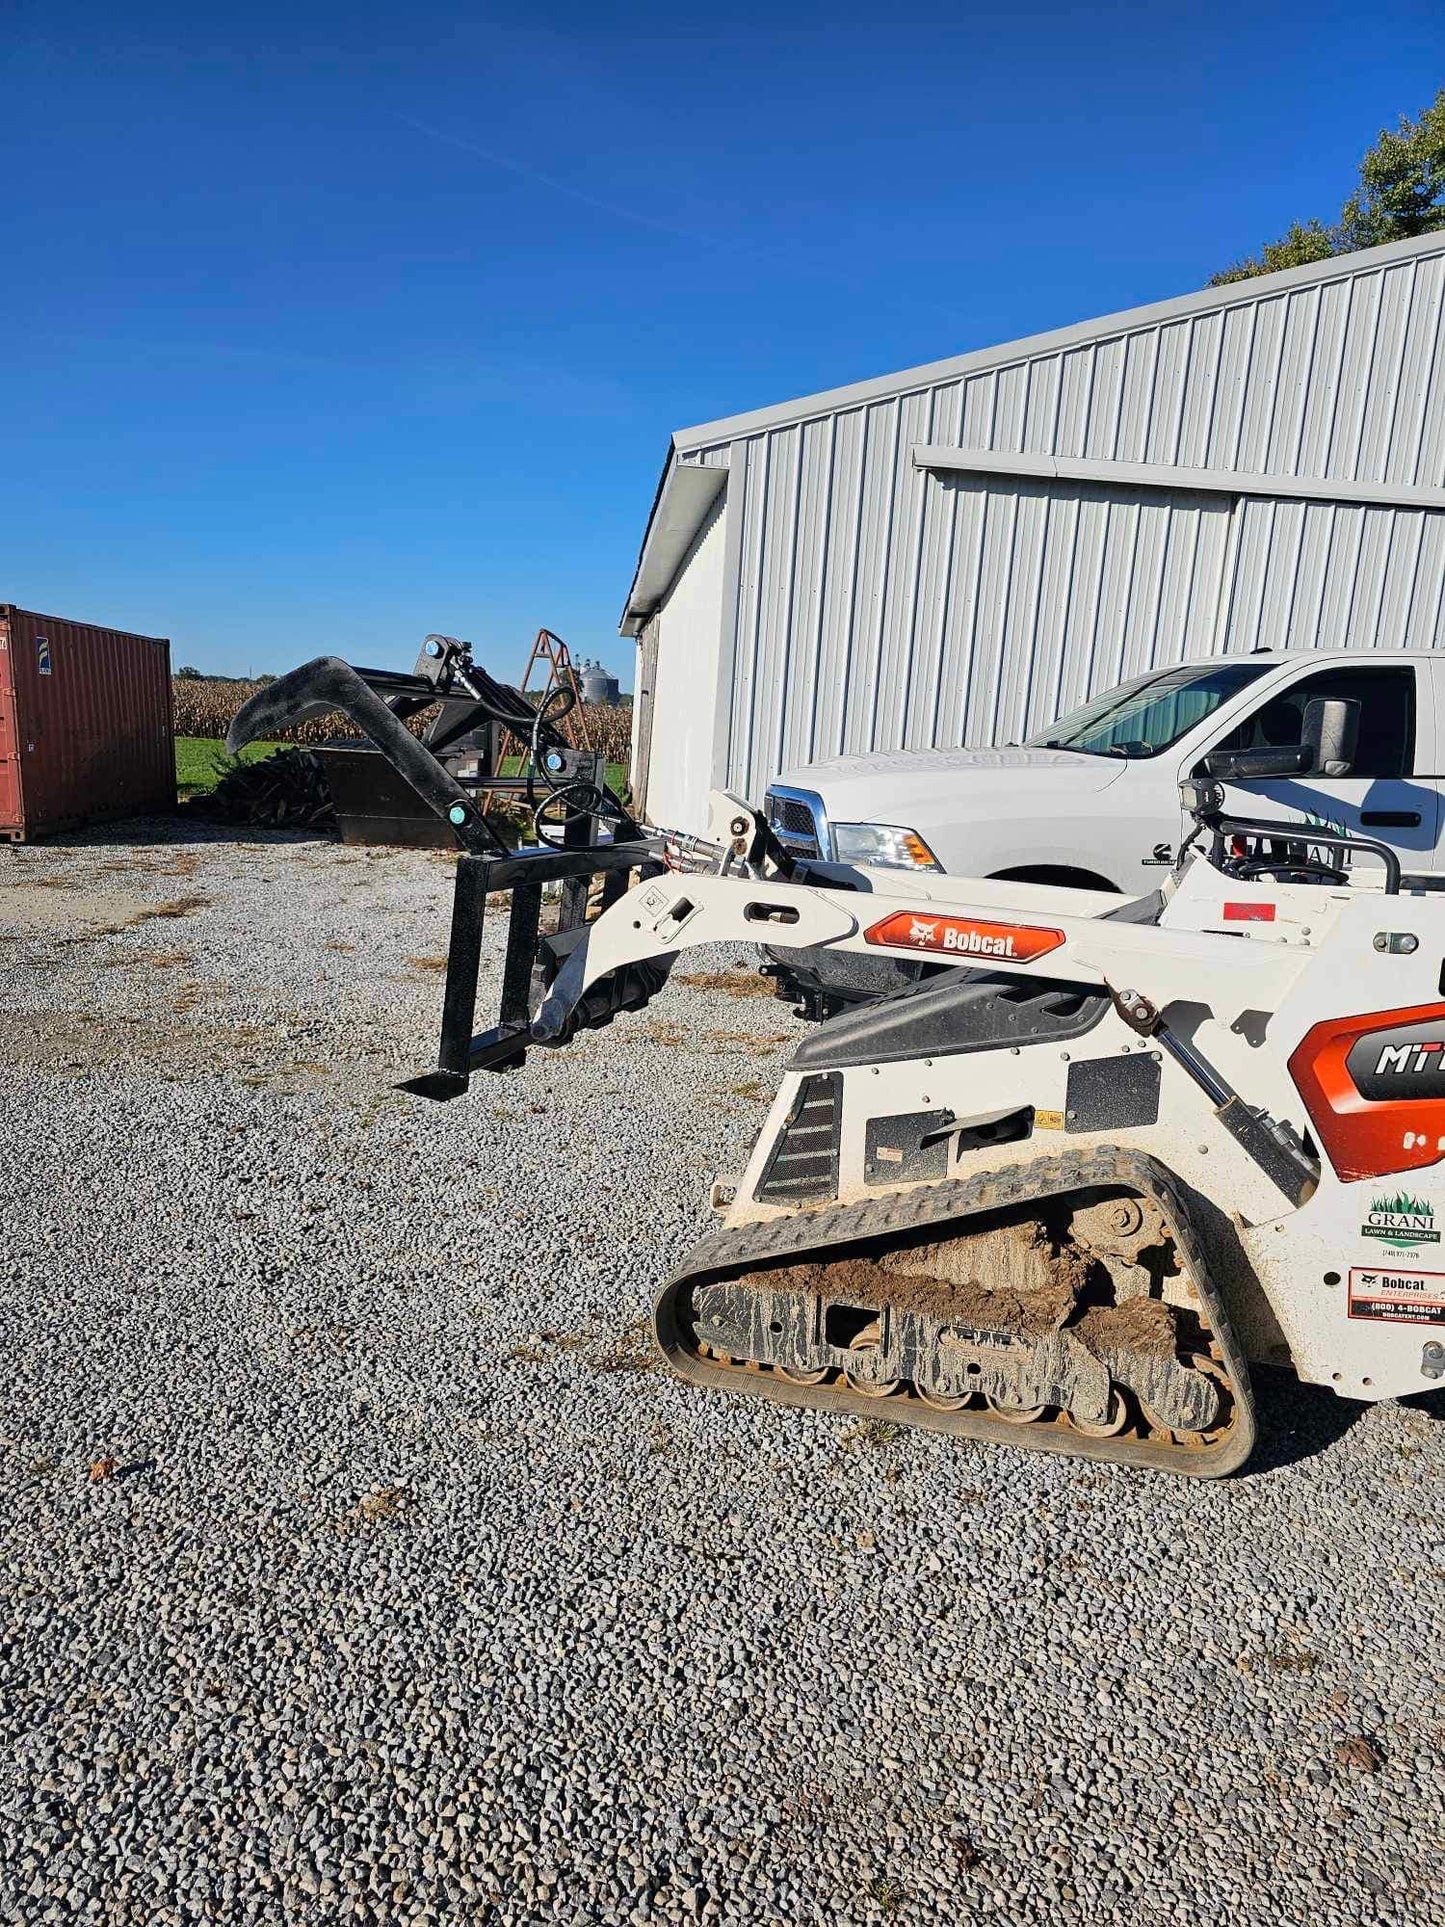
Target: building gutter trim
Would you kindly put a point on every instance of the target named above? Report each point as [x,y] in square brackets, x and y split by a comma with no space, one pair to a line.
[1172,478]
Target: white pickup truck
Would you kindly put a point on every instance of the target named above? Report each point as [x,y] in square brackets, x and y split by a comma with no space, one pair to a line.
[1092,800]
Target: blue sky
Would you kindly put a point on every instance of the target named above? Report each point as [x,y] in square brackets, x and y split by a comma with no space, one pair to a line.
[325,326]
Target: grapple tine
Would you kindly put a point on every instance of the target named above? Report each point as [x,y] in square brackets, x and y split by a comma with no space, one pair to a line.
[298,696]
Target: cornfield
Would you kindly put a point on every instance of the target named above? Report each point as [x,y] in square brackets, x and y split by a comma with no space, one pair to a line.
[206,708]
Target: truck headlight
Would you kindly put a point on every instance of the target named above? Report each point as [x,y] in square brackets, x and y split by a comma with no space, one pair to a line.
[884,845]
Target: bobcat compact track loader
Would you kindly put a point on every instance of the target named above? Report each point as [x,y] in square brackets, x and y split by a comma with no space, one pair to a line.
[1057,1199]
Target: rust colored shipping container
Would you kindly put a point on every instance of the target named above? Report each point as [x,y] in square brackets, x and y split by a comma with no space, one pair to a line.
[85,724]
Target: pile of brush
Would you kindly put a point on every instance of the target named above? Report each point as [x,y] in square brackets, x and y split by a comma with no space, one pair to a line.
[284,791]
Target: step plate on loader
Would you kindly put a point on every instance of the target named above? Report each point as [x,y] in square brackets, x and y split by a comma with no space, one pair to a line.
[1062,1305]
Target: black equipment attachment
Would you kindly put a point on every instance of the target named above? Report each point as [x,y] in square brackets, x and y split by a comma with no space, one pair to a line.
[472,704]
[569,813]
[1255,847]
[533,962]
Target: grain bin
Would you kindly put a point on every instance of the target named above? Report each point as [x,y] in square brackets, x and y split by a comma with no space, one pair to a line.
[85,724]
[597,685]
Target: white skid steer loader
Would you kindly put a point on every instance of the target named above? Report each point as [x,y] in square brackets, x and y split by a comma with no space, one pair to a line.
[1057,1199]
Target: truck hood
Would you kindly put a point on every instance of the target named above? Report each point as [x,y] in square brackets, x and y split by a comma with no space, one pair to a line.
[883,788]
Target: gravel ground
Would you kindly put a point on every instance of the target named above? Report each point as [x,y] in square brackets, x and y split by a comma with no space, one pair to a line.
[360,1563]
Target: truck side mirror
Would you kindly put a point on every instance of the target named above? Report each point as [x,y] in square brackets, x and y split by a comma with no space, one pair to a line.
[1331,733]
[1251,765]
[1330,728]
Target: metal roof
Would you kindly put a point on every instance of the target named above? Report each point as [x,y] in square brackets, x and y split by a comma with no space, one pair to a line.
[681,503]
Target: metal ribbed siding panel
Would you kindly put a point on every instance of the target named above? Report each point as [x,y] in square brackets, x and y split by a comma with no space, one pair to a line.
[1326,575]
[882,607]
[993,605]
[1343,379]
[93,738]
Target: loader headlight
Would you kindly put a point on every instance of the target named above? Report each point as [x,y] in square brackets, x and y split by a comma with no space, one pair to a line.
[885,845]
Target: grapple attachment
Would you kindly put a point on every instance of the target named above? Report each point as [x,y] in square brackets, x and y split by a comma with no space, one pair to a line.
[584,829]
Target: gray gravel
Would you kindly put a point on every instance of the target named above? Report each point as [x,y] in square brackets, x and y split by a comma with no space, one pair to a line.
[412,1590]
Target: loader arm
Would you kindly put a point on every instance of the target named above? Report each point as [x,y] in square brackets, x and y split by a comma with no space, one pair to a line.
[662,895]
[966,921]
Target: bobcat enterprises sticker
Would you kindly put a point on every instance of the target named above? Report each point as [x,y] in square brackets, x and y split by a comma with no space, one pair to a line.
[1401,1222]
[965,936]
[1398,1297]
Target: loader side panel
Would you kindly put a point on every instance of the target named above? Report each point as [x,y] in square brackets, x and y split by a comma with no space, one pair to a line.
[967,1010]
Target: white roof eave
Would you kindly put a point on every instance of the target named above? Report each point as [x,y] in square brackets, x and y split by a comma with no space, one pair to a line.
[685,494]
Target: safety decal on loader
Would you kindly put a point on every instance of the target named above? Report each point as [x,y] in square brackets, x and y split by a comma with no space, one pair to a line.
[965,936]
[1398,1297]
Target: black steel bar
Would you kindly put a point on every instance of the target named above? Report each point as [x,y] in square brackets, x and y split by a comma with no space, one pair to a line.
[555,866]
[523,872]
[573,907]
[521,955]
[1288,832]
[499,1049]
[459,1002]
[579,832]
[398,682]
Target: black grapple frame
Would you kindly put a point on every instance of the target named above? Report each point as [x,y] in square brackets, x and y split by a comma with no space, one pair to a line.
[585,831]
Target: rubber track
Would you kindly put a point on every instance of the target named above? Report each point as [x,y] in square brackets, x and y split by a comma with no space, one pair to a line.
[730,1250]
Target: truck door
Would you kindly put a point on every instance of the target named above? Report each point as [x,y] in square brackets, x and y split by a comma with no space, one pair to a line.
[1381,797]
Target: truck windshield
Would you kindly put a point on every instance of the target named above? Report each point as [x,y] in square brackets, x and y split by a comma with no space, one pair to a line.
[1143,717]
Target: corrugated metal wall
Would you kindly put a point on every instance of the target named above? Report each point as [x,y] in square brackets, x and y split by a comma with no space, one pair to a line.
[881,605]
[87,717]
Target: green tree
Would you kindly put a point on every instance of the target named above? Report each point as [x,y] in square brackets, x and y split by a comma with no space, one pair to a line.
[1401,193]
[190,674]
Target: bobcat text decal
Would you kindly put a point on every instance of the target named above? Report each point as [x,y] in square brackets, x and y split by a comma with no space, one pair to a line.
[965,936]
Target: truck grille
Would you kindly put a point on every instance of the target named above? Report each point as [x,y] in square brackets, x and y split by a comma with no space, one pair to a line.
[793,824]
